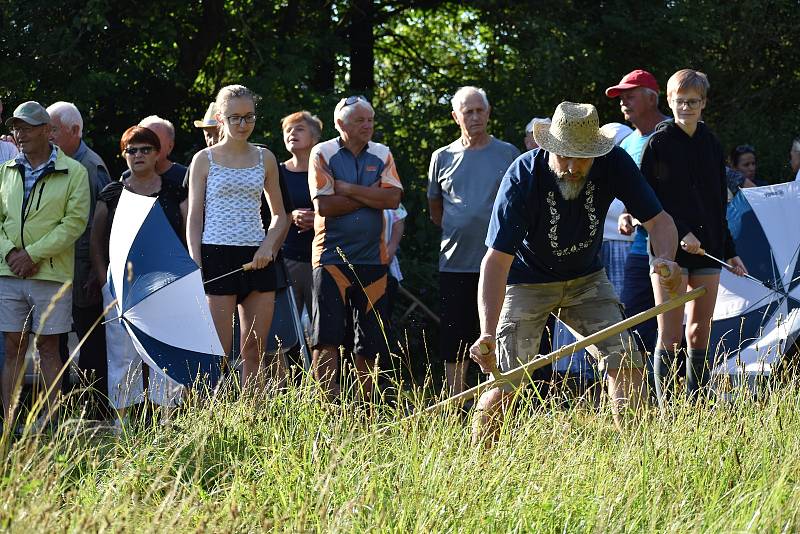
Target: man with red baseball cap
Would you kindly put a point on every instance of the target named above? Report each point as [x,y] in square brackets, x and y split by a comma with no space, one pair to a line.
[632,80]
[638,100]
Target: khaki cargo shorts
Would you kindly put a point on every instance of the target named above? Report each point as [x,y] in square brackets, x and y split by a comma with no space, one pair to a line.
[587,305]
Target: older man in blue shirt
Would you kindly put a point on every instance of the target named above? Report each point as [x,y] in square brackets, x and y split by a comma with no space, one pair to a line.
[66,125]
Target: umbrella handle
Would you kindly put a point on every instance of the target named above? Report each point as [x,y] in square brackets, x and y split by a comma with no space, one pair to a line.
[700,251]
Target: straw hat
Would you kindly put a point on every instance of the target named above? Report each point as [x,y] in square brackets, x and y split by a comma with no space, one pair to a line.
[209,119]
[574,133]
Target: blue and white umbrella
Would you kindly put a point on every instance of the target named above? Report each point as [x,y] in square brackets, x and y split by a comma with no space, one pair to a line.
[160,295]
[754,324]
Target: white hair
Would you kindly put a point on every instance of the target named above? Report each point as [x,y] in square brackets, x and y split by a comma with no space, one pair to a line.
[68,114]
[796,145]
[155,119]
[535,120]
[343,112]
[463,92]
[649,91]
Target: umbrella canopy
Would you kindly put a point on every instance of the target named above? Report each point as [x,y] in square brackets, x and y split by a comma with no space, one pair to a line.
[756,323]
[160,295]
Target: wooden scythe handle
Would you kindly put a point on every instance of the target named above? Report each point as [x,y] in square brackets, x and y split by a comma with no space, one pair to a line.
[517,376]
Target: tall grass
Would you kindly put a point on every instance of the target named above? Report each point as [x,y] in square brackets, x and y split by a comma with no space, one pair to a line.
[286,462]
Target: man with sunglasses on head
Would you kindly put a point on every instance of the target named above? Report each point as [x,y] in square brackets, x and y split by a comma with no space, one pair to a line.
[351,180]
[44,207]
[463,179]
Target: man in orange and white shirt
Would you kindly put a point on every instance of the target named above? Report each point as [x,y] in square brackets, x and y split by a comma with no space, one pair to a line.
[351,180]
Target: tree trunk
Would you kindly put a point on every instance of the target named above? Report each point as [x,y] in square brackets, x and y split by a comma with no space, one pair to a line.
[320,17]
[362,46]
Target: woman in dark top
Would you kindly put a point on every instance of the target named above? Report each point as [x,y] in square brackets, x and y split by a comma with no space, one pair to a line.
[140,147]
[301,131]
[684,163]
[743,160]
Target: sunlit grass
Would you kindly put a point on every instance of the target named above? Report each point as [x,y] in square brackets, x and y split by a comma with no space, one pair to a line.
[290,463]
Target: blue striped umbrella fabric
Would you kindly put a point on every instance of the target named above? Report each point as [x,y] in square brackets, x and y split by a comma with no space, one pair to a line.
[160,295]
[754,324]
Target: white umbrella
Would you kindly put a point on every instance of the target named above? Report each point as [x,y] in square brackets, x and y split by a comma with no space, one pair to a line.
[755,323]
[160,296]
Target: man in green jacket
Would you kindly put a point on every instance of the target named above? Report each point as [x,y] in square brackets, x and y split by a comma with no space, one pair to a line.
[44,207]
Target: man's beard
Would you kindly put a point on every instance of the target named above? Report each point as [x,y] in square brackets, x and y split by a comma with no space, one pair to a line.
[567,185]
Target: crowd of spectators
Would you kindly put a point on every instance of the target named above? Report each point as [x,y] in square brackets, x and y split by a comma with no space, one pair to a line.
[588,221]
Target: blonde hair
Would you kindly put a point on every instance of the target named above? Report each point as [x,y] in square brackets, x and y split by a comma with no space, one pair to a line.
[313,122]
[687,79]
[234,91]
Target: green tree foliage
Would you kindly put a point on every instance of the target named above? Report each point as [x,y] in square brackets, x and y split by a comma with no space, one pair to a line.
[119,62]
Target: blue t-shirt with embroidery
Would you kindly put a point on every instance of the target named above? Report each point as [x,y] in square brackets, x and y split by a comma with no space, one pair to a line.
[553,239]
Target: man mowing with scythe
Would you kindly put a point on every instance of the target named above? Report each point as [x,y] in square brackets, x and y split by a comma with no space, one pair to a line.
[544,242]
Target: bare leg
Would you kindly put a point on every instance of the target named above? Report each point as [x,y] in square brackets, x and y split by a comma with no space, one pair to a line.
[325,366]
[222,308]
[698,331]
[625,391]
[365,368]
[51,367]
[670,330]
[489,415]
[255,314]
[456,376]
[16,346]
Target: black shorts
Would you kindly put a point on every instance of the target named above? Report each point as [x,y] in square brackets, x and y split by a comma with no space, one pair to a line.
[223,259]
[338,292]
[458,299]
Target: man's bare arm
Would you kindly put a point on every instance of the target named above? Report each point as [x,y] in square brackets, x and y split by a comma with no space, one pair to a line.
[376,197]
[663,235]
[492,288]
[491,293]
[435,210]
[664,242]
[335,205]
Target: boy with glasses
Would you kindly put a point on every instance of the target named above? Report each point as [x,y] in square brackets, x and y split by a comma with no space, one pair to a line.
[685,165]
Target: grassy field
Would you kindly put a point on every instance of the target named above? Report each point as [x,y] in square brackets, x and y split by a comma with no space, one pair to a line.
[286,463]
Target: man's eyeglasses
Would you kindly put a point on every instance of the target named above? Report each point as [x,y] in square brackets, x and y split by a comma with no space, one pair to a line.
[133,150]
[24,129]
[250,118]
[692,103]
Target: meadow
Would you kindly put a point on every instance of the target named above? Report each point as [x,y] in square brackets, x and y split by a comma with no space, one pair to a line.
[288,463]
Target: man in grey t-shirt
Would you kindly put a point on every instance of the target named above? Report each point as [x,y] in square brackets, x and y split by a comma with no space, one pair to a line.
[462,182]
